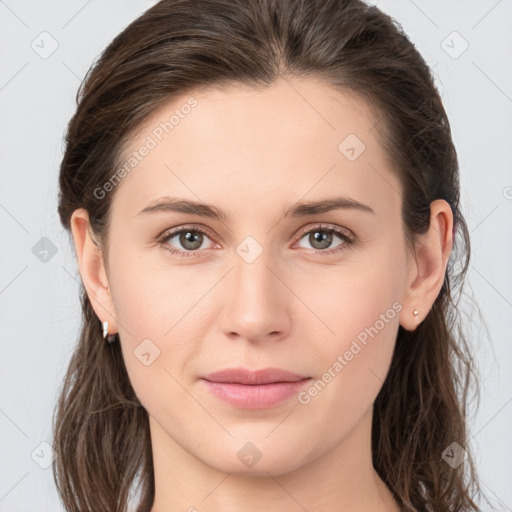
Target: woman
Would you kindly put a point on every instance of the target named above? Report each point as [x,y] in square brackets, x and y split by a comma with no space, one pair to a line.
[264,201]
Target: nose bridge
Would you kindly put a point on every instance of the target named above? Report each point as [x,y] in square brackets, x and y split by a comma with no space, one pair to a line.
[252,279]
[254,305]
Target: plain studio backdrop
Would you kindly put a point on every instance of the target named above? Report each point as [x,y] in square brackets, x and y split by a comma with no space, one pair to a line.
[47,47]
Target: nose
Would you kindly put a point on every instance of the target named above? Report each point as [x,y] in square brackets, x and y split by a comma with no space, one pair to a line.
[255,300]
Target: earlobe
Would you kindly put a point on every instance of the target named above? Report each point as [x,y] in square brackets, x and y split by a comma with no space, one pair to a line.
[432,251]
[92,268]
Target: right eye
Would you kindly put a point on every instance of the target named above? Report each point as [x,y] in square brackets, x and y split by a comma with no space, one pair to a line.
[190,238]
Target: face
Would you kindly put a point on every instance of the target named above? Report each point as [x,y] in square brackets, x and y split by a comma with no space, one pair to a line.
[262,281]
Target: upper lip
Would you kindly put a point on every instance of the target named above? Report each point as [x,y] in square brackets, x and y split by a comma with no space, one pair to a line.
[245,376]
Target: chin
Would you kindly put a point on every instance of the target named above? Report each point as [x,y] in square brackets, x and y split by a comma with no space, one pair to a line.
[256,459]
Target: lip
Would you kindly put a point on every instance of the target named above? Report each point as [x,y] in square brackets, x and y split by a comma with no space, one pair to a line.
[245,376]
[258,389]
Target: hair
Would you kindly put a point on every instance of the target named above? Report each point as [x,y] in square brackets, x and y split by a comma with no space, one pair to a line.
[100,428]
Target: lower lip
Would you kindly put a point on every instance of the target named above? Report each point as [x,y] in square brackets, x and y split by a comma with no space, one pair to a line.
[260,396]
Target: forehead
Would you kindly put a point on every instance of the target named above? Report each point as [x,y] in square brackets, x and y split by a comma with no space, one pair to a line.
[242,146]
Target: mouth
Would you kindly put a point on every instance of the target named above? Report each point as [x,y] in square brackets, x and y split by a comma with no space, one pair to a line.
[260,389]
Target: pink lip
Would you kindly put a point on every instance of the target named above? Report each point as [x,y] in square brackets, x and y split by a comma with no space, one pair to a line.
[259,389]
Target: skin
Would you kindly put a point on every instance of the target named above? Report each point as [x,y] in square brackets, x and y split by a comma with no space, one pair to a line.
[290,308]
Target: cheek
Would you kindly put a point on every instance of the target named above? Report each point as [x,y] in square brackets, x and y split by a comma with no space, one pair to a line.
[355,365]
[353,377]
[349,300]
[150,295]
[361,315]
[159,317]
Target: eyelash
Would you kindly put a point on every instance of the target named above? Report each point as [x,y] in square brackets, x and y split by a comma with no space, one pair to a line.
[348,240]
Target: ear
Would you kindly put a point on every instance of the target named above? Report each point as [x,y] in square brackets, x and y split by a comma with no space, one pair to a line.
[427,272]
[92,269]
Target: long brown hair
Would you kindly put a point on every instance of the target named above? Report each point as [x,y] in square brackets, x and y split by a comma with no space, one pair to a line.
[101,431]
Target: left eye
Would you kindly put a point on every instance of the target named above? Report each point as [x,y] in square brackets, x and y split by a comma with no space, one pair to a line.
[192,239]
[322,238]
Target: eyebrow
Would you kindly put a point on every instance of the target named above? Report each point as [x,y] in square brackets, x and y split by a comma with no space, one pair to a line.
[303,209]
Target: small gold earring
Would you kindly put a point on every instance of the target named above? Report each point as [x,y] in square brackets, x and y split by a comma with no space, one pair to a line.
[415,313]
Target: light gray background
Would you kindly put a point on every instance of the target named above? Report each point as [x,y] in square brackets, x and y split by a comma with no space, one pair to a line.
[40,310]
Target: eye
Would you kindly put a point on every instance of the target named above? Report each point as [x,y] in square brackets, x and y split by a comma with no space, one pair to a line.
[191,240]
[321,238]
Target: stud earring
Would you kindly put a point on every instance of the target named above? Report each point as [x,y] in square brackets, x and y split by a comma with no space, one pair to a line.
[415,313]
